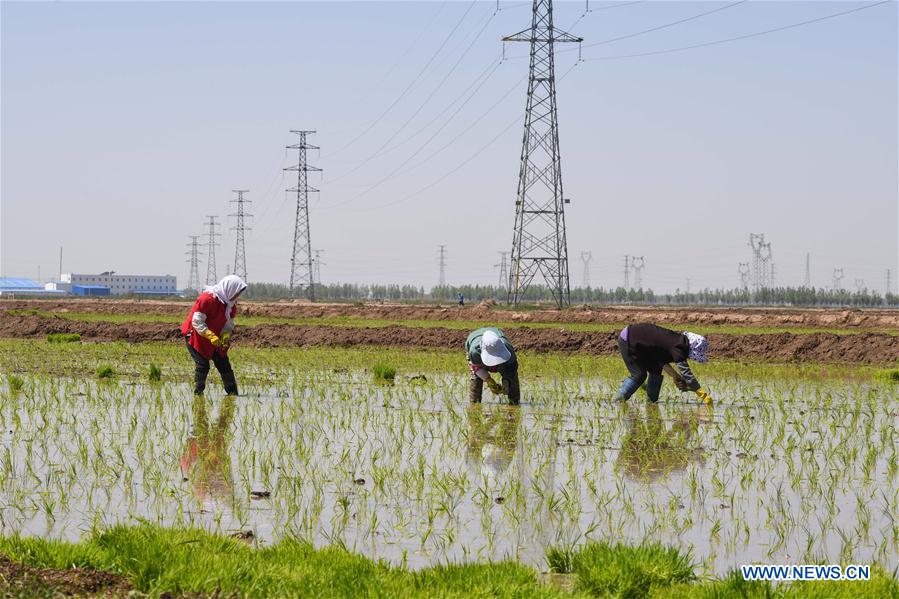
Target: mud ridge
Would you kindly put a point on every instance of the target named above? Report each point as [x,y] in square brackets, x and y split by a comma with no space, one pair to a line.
[861,348]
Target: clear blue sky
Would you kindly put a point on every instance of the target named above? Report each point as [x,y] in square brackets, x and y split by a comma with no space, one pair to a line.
[124,124]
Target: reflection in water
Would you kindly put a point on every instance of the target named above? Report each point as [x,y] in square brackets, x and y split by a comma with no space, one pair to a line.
[205,461]
[492,438]
[650,451]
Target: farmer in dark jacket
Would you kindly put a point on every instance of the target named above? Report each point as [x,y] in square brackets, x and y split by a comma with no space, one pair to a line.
[489,351]
[648,349]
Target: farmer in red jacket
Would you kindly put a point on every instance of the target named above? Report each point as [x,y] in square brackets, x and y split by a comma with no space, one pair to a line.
[207,330]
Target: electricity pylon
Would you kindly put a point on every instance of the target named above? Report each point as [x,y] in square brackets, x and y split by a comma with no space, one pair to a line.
[637,263]
[539,242]
[301,273]
[193,280]
[211,276]
[240,250]
[585,258]
[503,269]
[441,262]
[837,279]
[743,270]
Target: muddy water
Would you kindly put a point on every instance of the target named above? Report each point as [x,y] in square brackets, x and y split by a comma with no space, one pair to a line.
[779,472]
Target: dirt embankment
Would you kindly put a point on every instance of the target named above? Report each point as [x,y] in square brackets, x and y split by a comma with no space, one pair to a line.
[861,348]
[731,316]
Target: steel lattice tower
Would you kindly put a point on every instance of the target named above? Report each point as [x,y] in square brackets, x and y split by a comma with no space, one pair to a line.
[301,272]
[837,279]
[585,258]
[211,276]
[638,263]
[441,262]
[539,244]
[318,266]
[503,269]
[193,280]
[807,283]
[743,271]
[240,250]
[627,271]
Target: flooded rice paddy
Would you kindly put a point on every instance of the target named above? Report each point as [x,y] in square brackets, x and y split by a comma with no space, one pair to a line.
[779,471]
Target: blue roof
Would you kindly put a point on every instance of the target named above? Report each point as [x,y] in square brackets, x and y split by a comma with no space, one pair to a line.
[12,283]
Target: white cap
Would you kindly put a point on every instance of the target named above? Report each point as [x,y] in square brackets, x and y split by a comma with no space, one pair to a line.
[493,350]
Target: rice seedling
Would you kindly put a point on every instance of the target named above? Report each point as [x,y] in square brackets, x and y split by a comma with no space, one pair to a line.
[105,372]
[154,373]
[383,372]
[792,462]
[63,337]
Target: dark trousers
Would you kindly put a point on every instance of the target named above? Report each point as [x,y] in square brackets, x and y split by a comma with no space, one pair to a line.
[510,386]
[201,370]
[637,375]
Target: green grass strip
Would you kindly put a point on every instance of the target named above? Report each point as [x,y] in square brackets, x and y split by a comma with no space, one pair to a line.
[162,561]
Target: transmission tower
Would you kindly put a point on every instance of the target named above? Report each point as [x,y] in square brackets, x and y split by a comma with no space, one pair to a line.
[539,243]
[441,262]
[627,272]
[808,273]
[889,288]
[743,270]
[211,276]
[240,250]
[585,258]
[837,279]
[756,242]
[193,280]
[317,262]
[637,264]
[859,285]
[503,269]
[301,273]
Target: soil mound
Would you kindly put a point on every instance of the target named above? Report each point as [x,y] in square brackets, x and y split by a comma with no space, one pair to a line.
[859,348]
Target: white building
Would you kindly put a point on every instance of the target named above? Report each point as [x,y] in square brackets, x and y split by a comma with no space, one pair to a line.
[124,284]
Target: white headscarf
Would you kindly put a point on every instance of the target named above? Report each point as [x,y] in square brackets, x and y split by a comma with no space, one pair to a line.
[226,290]
[699,347]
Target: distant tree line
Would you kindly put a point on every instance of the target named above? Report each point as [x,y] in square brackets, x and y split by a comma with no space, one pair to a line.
[777,296]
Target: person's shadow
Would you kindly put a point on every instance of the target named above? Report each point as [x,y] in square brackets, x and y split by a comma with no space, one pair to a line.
[650,452]
[205,461]
[492,438]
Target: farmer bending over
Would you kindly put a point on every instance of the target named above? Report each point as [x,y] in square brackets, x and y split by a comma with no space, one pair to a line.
[489,351]
[647,348]
[207,330]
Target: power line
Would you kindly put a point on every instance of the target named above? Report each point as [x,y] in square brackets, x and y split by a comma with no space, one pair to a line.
[663,26]
[740,37]
[459,166]
[402,94]
[418,110]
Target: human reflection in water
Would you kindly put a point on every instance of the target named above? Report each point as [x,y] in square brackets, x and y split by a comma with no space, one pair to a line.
[492,439]
[205,462]
[650,452]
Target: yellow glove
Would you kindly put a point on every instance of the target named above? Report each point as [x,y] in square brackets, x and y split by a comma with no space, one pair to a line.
[226,338]
[704,396]
[495,387]
[213,338]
